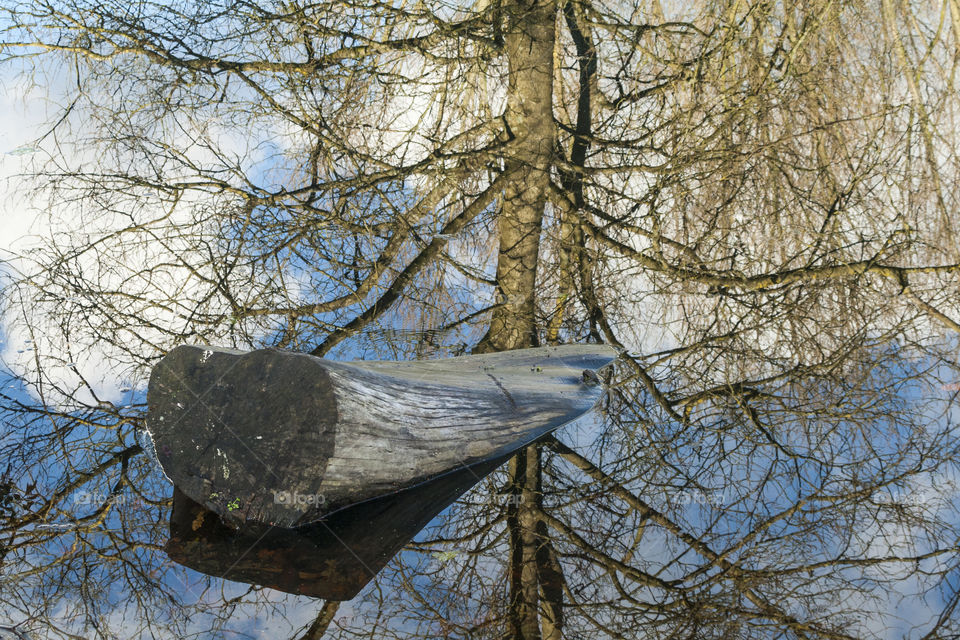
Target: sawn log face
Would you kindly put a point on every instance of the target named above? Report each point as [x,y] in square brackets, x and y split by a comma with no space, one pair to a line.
[284,438]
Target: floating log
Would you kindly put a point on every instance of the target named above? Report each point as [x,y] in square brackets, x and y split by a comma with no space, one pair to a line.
[286,438]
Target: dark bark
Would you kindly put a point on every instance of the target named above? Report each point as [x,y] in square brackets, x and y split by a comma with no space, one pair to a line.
[573,180]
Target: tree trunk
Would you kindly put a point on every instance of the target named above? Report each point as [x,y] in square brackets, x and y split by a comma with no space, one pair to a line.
[322,622]
[529,43]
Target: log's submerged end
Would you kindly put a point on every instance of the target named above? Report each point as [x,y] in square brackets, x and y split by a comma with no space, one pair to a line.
[331,559]
[285,438]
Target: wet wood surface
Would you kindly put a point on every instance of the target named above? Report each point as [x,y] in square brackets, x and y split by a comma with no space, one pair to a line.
[285,438]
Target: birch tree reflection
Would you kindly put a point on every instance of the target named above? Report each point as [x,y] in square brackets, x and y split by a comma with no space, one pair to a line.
[756,200]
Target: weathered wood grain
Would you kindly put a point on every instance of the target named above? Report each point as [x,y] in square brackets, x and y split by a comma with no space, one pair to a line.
[286,438]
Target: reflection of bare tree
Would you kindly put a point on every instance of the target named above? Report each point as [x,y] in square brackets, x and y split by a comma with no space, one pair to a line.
[753,198]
